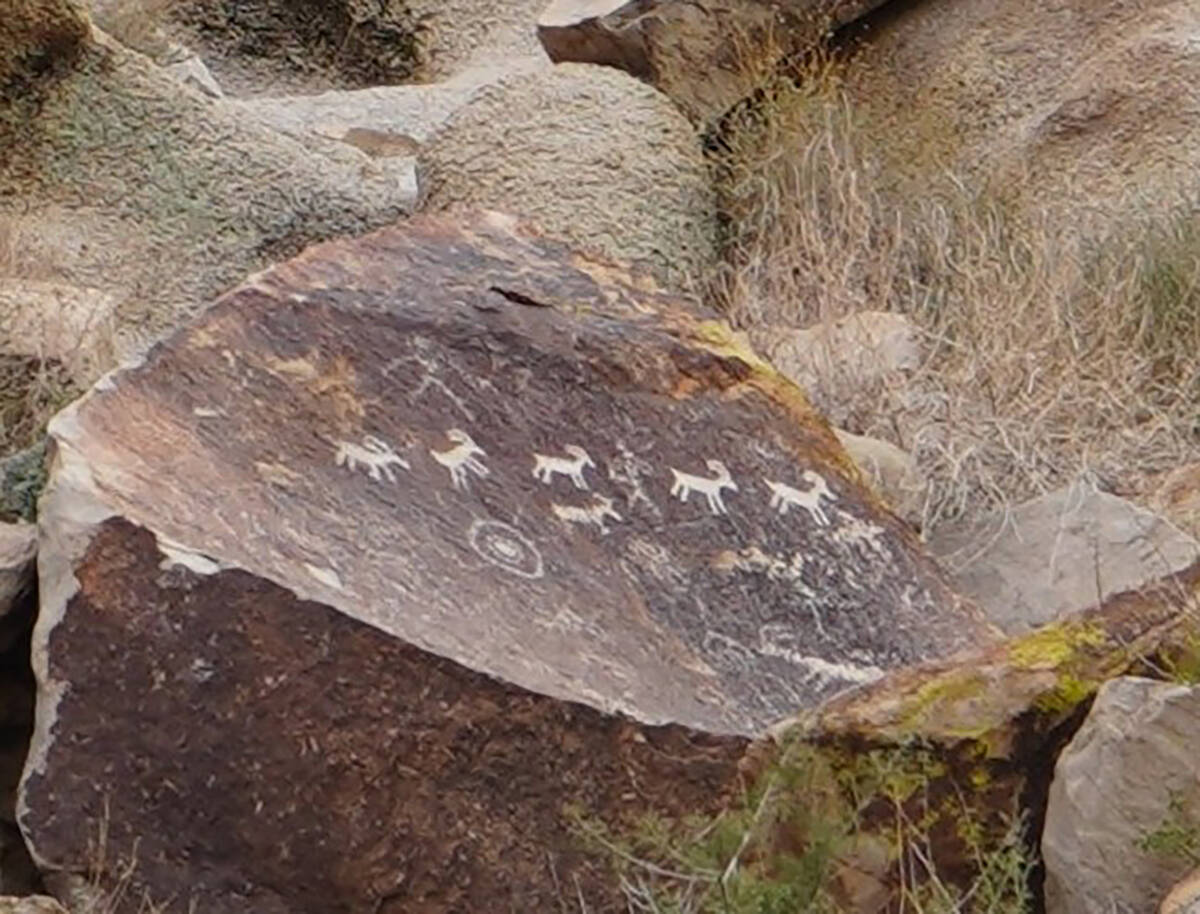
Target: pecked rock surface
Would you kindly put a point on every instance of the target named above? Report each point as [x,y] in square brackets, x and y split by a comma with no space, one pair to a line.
[416,540]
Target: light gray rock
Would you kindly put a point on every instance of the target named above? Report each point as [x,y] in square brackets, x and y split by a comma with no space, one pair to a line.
[892,472]
[31,904]
[387,123]
[1113,786]
[18,551]
[186,66]
[458,35]
[1059,554]
[590,155]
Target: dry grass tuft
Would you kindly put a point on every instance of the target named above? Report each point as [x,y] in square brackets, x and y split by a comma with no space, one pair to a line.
[1050,353]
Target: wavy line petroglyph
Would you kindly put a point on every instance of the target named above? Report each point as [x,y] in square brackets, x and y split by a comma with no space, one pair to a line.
[784,496]
[594,514]
[461,458]
[685,483]
[375,455]
[545,466]
[777,639]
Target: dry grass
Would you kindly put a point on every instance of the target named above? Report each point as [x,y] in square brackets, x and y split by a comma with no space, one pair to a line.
[1050,354]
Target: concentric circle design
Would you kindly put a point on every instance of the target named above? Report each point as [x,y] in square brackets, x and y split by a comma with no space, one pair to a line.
[506,547]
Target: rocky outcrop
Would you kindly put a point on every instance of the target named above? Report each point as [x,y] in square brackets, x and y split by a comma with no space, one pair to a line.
[1059,554]
[590,155]
[461,529]
[117,178]
[705,56]
[1092,109]
[388,123]
[38,38]
[458,36]
[1130,771]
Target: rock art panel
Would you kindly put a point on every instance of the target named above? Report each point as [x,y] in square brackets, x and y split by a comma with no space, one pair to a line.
[426,534]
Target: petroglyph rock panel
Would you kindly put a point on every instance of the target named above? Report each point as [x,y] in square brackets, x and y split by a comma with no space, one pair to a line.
[445,472]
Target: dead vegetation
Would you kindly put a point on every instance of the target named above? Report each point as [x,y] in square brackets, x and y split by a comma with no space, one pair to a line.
[1051,351]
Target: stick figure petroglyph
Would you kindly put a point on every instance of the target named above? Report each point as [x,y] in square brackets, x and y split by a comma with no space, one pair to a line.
[686,483]
[376,455]
[595,513]
[784,496]
[461,458]
[544,467]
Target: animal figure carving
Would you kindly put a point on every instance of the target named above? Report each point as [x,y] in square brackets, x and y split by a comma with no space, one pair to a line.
[595,513]
[686,483]
[784,496]
[544,466]
[376,455]
[461,458]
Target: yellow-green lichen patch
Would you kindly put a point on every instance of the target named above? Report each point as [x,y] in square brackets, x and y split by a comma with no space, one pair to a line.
[1055,645]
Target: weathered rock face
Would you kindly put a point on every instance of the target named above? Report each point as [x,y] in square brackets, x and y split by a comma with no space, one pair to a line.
[462,35]
[588,153]
[460,528]
[388,123]
[706,56]
[1090,107]
[38,37]
[1113,787]
[1059,554]
[115,177]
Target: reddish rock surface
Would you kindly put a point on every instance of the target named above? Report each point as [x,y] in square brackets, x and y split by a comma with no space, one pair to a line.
[351,588]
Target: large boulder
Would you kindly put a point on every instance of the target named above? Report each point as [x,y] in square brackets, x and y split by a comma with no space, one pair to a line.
[1130,774]
[411,543]
[589,154]
[385,122]
[1059,554]
[1092,109]
[706,55]
[115,177]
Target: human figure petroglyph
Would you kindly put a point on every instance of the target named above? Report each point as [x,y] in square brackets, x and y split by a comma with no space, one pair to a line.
[685,483]
[595,513]
[461,458]
[784,496]
[374,454]
[544,466]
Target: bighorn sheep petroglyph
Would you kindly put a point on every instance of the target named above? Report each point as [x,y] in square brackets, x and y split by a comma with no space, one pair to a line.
[376,455]
[686,483]
[544,466]
[784,496]
[595,513]
[461,458]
